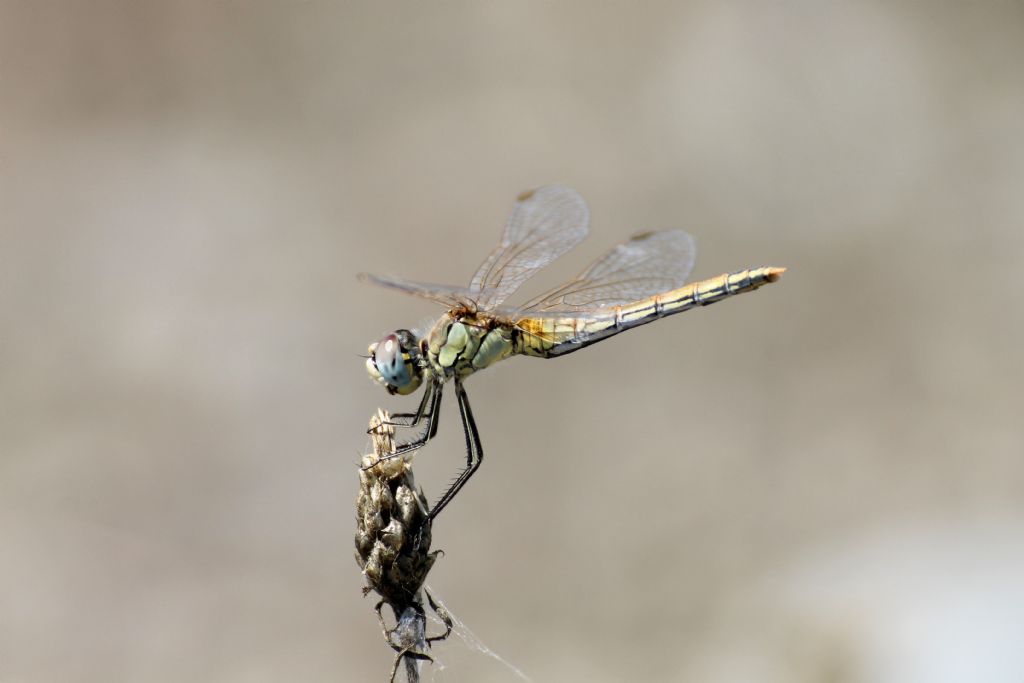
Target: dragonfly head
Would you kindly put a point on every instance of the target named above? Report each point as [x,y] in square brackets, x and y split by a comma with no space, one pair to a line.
[394,362]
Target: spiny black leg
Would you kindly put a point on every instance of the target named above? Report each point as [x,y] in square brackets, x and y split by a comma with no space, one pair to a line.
[431,415]
[410,419]
[474,452]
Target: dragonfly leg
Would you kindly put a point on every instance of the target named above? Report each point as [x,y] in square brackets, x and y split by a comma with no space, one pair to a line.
[409,419]
[474,452]
[431,414]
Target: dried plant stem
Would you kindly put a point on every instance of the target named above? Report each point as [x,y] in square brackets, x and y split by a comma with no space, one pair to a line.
[393,546]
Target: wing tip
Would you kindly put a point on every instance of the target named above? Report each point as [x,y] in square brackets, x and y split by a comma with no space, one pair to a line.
[774,273]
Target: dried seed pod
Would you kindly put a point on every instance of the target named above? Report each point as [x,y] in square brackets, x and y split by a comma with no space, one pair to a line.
[393,545]
[393,527]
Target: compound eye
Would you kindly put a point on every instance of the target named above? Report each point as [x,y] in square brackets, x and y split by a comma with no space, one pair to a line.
[389,357]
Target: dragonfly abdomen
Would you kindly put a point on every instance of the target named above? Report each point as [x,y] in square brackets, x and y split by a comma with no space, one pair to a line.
[549,337]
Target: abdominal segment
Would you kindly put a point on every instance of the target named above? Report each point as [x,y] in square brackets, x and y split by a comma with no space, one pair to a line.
[551,336]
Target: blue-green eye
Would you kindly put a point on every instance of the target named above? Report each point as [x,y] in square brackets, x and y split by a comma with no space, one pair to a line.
[393,363]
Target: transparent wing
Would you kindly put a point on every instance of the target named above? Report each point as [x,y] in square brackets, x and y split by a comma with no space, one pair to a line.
[649,263]
[545,223]
[446,295]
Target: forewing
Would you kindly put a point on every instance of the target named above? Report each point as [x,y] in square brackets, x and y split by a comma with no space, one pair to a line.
[446,295]
[649,263]
[545,223]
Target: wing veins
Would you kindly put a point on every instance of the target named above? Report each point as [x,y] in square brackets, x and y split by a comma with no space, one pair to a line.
[553,217]
[648,264]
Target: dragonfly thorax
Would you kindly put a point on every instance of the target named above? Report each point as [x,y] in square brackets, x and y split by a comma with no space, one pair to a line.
[462,343]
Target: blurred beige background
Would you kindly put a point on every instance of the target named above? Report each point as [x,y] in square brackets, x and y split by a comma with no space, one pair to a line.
[822,481]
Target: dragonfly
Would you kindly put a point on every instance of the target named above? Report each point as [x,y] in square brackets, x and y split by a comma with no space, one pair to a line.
[634,283]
